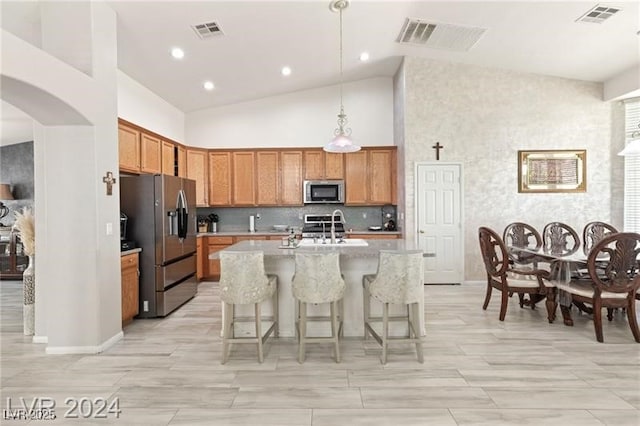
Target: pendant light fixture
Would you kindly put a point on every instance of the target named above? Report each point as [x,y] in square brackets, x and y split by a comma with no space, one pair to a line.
[633,147]
[342,135]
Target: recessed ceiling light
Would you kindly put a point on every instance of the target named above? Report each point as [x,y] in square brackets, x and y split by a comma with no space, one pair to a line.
[286,71]
[364,56]
[208,85]
[177,53]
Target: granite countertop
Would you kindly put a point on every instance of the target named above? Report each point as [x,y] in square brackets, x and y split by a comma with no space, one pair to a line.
[243,233]
[132,251]
[272,248]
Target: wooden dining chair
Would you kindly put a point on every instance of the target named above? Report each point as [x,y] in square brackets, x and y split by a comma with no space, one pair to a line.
[614,279]
[510,279]
[560,239]
[522,235]
[594,232]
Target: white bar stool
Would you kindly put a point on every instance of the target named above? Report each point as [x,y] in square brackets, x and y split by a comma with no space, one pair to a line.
[399,280]
[317,279]
[243,281]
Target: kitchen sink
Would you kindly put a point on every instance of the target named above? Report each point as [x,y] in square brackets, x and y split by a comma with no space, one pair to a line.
[348,242]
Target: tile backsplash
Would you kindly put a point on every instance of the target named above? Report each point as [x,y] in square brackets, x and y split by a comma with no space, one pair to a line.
[237,218]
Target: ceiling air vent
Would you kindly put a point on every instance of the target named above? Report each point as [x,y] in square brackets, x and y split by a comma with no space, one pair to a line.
[439,36]
[598,14]
[207,30]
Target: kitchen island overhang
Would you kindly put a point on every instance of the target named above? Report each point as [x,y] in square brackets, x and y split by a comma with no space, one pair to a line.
[355,261]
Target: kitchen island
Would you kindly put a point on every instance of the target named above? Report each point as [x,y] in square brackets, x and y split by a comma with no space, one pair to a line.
[355,261]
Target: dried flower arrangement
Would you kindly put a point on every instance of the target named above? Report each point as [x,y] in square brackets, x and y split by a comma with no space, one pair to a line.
[25,225]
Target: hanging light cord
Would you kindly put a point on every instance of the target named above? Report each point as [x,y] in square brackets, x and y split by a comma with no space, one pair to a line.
[341,64]
[342,117]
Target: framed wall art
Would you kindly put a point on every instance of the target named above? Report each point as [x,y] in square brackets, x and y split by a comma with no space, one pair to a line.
[552,171]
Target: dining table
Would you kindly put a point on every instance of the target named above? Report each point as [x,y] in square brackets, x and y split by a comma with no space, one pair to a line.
[563,267]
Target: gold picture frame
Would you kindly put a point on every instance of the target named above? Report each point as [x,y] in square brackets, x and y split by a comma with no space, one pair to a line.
[552,171]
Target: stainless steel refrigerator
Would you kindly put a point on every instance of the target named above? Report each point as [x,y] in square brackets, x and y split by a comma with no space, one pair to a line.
[162,221]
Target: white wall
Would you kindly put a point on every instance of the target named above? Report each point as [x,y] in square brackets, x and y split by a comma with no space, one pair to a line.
[299,119]
[75,143]
[143,107]
[483,116]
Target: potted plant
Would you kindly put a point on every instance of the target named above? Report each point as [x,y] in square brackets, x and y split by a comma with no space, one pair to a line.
[213,220]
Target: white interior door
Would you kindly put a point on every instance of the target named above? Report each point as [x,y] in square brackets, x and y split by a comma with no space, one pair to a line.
[439,221]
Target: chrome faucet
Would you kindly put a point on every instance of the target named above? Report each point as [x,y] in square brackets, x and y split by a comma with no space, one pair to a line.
[333,224]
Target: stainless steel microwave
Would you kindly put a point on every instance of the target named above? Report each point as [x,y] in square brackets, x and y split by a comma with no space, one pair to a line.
[323,191]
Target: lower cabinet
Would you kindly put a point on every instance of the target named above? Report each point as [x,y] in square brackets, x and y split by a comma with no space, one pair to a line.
[130,289]
[215,244]
[375,236]
[210,268]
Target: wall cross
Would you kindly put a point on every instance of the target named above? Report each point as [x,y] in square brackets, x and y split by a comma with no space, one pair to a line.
[437,147]
[109,180]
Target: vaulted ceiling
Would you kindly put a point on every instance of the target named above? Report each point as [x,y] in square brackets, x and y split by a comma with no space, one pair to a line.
[257,38]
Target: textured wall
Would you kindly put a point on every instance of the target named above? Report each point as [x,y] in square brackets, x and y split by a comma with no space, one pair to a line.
[16,169]
[483,116]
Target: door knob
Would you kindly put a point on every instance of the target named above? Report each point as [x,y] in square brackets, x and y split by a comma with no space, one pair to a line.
[421,231]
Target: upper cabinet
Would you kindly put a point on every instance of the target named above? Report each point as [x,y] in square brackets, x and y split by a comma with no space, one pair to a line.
[259,177]
[196,161]
[370,176]
[168,158]
[219,178]
[262,177]
[319,164]
[267,178]
[142,151]
[129,148]
[243,186]
[182,161]
[290,193]
[150,154]
[382,170]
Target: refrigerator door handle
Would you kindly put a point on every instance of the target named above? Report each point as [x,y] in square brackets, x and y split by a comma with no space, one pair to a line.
[183,214]
[172,218]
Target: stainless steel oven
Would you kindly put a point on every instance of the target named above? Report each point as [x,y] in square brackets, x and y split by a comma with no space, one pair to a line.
[323,191]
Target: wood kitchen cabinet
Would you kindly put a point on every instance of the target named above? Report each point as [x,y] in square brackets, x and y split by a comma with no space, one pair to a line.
[267,178]
[196,161]
[130,286]
[370,177]
[129,148]
[319,164]
[150,154]
[278,178]
[201,257]
[215,244]
[243,187]
[290,178]
[168,158]
[375,236]
[219,178]
[182,162]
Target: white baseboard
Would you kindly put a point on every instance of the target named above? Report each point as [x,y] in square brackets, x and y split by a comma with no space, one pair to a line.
[65,350]
[40,339]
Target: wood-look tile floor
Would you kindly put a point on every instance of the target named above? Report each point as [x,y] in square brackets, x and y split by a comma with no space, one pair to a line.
[477,371]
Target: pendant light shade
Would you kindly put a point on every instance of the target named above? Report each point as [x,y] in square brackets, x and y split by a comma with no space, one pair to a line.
[342,141]
[633,147]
